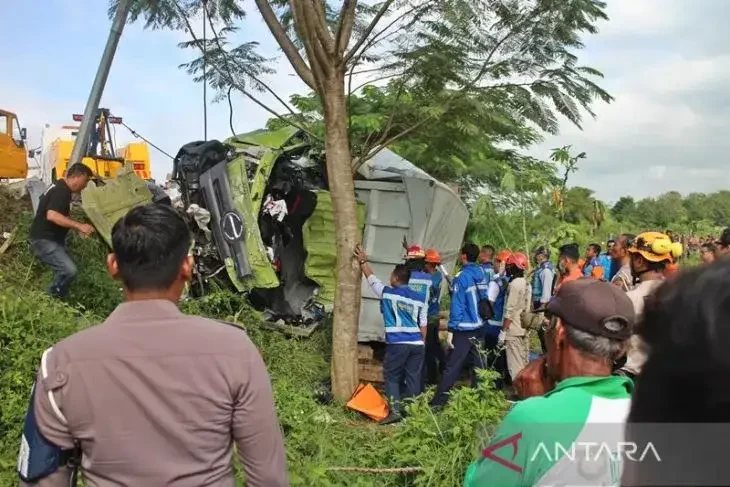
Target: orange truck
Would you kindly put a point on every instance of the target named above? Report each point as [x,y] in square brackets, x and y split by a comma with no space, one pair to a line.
[13,152]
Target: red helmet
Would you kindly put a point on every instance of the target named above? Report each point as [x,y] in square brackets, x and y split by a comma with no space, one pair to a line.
[503,255]
[415,252]
[432,256]
[518,259]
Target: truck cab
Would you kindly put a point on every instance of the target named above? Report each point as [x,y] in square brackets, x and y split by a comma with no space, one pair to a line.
[13,153]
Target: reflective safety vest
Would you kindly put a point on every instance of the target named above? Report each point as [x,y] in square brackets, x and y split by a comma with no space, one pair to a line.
[421,282]
[401,307]
[537,280]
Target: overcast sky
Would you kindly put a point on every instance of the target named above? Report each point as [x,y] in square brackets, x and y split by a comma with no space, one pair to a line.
[667,63]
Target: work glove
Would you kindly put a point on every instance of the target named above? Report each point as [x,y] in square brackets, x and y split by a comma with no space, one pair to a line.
[450,340]
[501,338]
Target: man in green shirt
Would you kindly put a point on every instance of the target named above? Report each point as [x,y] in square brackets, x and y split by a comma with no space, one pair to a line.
[569,430]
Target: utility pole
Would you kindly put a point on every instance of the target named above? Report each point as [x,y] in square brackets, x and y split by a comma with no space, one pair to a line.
[92,104]
[205,75]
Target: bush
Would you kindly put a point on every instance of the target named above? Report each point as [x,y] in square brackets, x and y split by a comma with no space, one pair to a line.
[318,436]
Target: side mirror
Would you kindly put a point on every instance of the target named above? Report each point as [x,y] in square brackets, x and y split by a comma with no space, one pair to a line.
[23,134]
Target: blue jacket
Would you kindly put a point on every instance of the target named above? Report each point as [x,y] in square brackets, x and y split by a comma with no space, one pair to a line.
[494,326]
[537,278]
[400,307]
[433,299]
[468,287]
[606,262]
[488,269]
[421,282]
[588,269]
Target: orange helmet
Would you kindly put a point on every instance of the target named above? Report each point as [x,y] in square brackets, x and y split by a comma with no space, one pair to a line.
[415,252]
[518,259]
[432,256]
[503,255]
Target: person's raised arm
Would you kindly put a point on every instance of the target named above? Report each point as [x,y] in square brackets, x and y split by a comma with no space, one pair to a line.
[376,285]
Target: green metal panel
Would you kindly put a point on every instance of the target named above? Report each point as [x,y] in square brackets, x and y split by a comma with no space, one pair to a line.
[275,139]
[320,244]
[104,205]
[263,273]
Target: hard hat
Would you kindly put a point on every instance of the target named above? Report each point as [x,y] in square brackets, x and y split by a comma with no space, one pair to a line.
[518,259]
[432,256]
[656,247]
[503,255]
[415,252]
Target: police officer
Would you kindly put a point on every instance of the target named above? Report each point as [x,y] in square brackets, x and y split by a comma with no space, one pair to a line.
[151,396]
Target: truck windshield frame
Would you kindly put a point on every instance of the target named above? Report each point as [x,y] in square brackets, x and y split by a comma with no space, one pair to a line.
[16,131]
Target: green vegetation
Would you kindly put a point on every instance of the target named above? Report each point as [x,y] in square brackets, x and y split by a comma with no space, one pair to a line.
[318,436]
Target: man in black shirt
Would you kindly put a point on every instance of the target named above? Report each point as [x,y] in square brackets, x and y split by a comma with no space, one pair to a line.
[52,223]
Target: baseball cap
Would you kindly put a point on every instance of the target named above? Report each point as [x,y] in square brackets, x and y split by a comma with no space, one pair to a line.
[595,307]
[724,239]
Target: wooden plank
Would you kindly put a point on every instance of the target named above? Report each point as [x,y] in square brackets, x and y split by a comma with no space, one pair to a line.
[371,372]
[6,245]
[364,351]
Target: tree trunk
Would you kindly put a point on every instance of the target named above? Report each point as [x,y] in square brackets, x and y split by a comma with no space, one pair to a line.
[342,188]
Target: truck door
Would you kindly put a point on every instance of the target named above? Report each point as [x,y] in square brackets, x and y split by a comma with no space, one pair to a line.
[5,142]
[13,162]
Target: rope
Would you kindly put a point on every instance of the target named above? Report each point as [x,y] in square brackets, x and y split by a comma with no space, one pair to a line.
[146,140]
[402,470]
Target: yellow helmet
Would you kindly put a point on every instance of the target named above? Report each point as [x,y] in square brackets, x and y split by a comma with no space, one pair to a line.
[656,247]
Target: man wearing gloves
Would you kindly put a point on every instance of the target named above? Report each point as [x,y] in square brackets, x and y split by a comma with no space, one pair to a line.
[466,327]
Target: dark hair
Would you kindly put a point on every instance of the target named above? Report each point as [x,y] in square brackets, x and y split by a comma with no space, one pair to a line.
[79,169]
[514,271]
[150,243]
[402,273]
[596,248]
[611,241]
[414,265]
[471,251]
[542,250]
[686,377]
[569,251]
[489,248]
[708,247]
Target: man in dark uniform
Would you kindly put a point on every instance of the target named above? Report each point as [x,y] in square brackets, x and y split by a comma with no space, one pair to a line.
[153,397]
[52,223]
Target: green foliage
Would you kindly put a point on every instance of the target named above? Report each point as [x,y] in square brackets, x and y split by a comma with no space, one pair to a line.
[317,436]
[30,322]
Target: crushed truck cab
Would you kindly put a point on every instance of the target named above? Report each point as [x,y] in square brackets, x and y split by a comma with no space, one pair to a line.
[262,219]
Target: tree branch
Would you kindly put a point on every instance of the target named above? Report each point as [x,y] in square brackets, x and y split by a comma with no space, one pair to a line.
[319,22]
[317,57]
[290,50]
[233,82]
[380,78]
[345,26]
[383,10]
[228,68]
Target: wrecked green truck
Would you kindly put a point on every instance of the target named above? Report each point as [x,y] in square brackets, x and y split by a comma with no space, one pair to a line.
[262,220]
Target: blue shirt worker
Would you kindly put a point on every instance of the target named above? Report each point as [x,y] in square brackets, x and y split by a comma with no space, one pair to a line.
[404,317]
[542,284]
[435,356]
[594,267]
[607,262]
[466,327]
[496,293]
[486,261]
[420,280]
